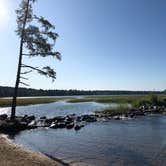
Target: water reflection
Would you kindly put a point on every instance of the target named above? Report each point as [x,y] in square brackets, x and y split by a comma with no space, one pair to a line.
[131,142]
[137,142]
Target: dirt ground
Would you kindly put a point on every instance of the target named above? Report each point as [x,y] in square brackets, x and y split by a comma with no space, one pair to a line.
[13,155]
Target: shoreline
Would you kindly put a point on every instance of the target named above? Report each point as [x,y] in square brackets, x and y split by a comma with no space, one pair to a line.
[16,155]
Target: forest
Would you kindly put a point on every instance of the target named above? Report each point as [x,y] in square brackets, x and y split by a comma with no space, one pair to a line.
[6,91]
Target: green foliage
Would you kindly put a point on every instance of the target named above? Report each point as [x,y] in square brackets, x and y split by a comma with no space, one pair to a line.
[38,37]
[136,101]
[154,99]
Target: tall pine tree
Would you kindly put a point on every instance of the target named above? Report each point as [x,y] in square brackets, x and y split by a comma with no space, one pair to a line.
[37,38]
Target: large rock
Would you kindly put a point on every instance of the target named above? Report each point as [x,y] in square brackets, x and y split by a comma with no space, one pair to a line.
[10,127]
[28,119]
[3,116]
[32,125]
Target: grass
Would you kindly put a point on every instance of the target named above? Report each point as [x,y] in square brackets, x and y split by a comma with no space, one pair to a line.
[133,100]
[111,111]
[6,102]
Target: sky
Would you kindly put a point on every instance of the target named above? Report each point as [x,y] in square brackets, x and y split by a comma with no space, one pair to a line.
[105,44]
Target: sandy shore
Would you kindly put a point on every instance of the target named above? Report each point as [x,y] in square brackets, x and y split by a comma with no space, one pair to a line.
[14,155]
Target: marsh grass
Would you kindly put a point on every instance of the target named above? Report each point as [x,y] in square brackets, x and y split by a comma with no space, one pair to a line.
[121,109]
[27,101]
[133,100]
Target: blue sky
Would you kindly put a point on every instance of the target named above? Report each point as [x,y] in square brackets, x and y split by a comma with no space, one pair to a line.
[105,44]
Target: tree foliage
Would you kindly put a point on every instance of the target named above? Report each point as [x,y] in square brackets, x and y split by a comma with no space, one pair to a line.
[37,38]
[38,35]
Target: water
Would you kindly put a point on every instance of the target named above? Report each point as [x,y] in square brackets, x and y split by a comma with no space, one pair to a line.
[59,108]
[137,142]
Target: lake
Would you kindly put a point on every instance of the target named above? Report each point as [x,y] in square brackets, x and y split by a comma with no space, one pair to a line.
[135,142]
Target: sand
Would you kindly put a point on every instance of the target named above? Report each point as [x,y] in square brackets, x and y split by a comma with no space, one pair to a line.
[14,155]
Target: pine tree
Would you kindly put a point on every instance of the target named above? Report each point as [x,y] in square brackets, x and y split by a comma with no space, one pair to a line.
[37,38]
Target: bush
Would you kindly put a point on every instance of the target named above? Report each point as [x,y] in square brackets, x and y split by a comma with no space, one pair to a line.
[154,100]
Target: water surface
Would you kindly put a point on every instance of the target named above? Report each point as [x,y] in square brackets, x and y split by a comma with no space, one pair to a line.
[136,142]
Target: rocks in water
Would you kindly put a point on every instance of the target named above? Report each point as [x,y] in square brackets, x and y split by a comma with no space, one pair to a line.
[116,117]
[27,118]
[42,123]
[71,121]
[61,125]
[59,118]
[89,118]
[70,125]
[19,123]
[131,115]
[58,125]
[3,116]
[78,126]
[54,126]
[32,125]
[12,126]
[43,117]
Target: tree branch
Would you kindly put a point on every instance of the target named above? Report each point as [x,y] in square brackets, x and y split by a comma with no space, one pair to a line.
[34,68]
[57,54]
[49,72]
[24,78]
[24,84]
[26,72]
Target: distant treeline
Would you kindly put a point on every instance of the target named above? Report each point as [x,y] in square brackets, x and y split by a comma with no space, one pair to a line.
[8,92]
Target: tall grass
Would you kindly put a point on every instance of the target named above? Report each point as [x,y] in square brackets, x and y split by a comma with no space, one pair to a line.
[27,101]
[133,100]
[117,110]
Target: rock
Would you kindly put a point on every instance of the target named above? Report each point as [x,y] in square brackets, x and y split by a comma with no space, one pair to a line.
[48,121]
[139,113]
[42,123]
[43,117]
[70,117]
[32,125]
[77,127]
[89,118]
[70,125]
[12,126]
[3,116]
[116,117]
[54,126]
[59,118]
[61,125]
[68,122]
[132,115]
[28,119]
[78,119]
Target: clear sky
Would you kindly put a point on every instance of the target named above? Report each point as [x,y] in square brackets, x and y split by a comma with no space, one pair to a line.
[105,44]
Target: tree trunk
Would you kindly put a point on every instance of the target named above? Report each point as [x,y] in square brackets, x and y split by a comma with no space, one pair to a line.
[14,101]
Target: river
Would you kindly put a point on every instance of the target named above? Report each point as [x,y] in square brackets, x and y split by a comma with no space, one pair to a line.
[135,142]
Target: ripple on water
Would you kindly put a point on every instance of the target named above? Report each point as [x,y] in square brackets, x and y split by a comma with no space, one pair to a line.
[137,142]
